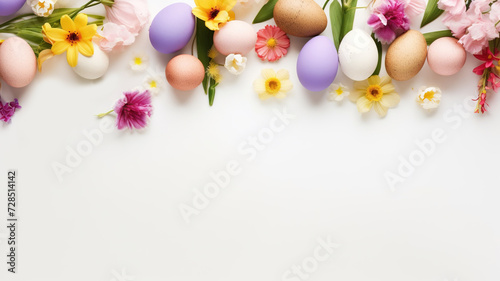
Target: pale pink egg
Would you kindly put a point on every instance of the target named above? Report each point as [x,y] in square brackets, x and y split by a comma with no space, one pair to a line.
[235,37]
[446,56]
[185,72]
[17,62]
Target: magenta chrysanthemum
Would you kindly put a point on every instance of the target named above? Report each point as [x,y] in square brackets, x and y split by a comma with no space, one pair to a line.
[389,20]
[8,109]
[133,110]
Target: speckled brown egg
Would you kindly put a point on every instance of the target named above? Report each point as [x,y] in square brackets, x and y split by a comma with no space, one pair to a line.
[302,18]
[185,72]
[406,56]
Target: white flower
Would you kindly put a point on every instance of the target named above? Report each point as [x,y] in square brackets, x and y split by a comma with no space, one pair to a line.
[42,8]
[429,97]
[139,62]
[154,83]
[338,92]
[235,64]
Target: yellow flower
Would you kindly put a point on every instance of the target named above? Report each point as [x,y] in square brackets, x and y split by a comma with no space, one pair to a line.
[274,84]
[429,98]
[377,92]
[214,12]
[75,36]
[213,53]
[213,72]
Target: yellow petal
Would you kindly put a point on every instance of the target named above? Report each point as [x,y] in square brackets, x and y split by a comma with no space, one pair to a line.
[88,31]
[286,86]
[56,34]
[72,56]
[81,20]
[354,96]
[86,48]
[232,16]
[268,73]
[68,24]
[259,86]
[200,13]
[205,4]
[43,56]
[264,96]
[390,100]
[280,95]
[222,17]
[361,85]
[385,80]
[364,105]
[282,74]
[60,47]
[374,80]
[380,109]
[388,88]
[212,25]
[227,4]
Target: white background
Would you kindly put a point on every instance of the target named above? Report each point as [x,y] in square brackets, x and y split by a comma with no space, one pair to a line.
[322,177]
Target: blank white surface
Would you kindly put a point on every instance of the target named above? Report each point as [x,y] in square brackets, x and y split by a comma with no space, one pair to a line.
[322,176]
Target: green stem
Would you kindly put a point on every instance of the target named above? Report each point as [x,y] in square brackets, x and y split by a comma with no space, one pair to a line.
[104,114]
[326,3]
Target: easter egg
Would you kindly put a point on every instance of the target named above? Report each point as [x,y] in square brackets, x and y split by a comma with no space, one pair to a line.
[185,72]
[9,7]
[406,55]
[172,28]
[93,67]
[17,62]
[302,18]
[446,56]
[235,37]
[317,64]
[358,55]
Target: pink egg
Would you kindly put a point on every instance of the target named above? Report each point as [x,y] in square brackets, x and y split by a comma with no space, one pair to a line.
[446,56]
[17,62]
[185,72]
[235,37]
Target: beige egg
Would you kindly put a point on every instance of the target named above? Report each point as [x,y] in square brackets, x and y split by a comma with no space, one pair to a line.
[17,62]
[406,56]
[302,18]
[185,72]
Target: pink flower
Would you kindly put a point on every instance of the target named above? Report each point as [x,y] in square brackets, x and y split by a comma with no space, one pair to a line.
[488,57]
[8,109]
[414,8]
[389,20]
[495,13]
[478,7]
[272,43]
[478,35]
[133,110]
[133,14]
[458,24]
[114,36]
[453,7]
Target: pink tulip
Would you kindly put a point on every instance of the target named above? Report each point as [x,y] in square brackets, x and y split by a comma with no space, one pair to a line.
[114,36]
[133,14]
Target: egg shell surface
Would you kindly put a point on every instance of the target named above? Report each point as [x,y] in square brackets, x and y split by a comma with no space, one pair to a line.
[17,62]
[9,7]
[172,28]
[301,18]
[317,64]
[446,56]
[235,37]
[406,55]
[185,72]
[93,67]
[358,55]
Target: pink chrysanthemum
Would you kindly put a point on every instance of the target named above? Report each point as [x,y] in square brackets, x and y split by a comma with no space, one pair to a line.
[8,109]
[133,110]
[389,20]
[272,43]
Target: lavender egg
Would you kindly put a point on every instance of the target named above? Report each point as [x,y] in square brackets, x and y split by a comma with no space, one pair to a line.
[9,7]
[317,64]
[172,28]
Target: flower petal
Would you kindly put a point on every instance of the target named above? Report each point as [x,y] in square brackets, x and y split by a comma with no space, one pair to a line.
[212,25]
[286,86]
[361,85]
[259,86]
[268,73]
[87,32]
[222,17]
[388,88]
[44,56]
[68,24]
[355,95]
[390,100]
[384,80]
[86,48]
[282,74]
[380,109]
[56,34]
[72,56]
[81,20]
[200,13]
[60,47]
[364,105]
[374,80]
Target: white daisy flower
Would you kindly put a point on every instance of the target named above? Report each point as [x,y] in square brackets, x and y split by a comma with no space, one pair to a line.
[154,83]
[338,92]
[429,97]
[139,62]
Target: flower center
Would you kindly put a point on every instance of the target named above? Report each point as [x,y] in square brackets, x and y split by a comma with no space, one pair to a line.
[339,91]
[374,93]
[429,95]
[138,61]
[73,37]
[271,43]
[213,13]
[273,86]
[152,84]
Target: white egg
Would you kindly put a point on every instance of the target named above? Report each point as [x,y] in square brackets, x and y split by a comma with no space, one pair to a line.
[93,67]
[358,55]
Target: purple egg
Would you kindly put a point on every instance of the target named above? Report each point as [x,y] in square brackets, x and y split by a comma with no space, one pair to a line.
[9,7]
[317,64]
[172,28]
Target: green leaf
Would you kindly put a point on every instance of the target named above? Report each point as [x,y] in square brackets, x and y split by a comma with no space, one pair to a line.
[266,12]
[211,92]
[432,36]
[379,49]
[204,41]
[349,9]
[336,16]
[431,13]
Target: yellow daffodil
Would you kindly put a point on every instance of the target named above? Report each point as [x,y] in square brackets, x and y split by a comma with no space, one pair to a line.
[377,92]
[274,84]
[75,36]
[214,12]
